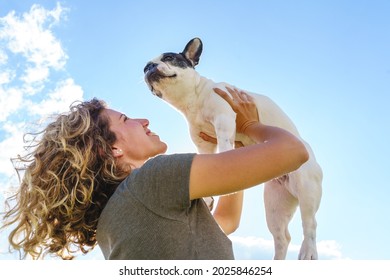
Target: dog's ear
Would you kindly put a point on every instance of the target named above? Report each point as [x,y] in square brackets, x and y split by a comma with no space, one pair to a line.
[193,50]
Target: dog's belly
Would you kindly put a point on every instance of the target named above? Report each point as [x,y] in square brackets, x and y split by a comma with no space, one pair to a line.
[288,181]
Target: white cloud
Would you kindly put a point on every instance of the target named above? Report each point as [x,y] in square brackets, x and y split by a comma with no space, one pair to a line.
[29,36]
[11,146]
[10,102]
[330,249]
[250,247]
[59,100]
[35,74]
[29,54]
[30,49]
[5,77]
[3,57]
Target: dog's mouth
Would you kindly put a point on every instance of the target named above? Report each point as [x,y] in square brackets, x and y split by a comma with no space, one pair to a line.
[155,77]
[154,74]
[168,76]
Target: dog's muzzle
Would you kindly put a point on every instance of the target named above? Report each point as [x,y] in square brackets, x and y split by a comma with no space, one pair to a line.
[154,74]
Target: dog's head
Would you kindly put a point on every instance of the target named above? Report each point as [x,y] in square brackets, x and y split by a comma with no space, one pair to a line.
[171,74]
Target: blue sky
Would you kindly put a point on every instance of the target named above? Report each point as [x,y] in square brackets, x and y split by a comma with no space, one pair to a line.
[326,63]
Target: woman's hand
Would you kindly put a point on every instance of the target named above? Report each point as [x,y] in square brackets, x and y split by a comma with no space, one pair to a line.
[208,138]
[246,110]
[244,106]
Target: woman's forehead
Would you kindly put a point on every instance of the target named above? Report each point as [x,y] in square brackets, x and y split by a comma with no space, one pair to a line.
[112,113]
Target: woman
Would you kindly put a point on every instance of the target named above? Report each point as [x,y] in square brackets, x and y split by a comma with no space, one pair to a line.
[98,177]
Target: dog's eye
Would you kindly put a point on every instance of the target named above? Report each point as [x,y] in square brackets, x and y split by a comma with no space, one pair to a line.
[168,58]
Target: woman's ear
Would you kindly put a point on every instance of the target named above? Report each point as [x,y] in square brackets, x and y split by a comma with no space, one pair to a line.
[116,152]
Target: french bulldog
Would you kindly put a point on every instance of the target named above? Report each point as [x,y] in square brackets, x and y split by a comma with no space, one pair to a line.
[172,77]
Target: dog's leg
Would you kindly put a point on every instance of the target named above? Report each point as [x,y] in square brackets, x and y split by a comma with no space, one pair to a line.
[309,224]
[225,129]
[203,147]
[225,138]
[309,192]
[280,207]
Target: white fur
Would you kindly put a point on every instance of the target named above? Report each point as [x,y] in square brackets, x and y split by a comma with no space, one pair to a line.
[205,111]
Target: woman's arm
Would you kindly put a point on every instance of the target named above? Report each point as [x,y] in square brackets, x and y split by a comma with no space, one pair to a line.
[276,153]
[228,210]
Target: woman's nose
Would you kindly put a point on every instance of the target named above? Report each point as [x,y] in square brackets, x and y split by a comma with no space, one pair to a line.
[143,122]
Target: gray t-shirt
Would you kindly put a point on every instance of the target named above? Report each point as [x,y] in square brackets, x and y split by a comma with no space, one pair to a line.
[150,216]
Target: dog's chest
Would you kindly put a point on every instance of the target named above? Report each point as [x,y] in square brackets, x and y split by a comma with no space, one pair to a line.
[200,118]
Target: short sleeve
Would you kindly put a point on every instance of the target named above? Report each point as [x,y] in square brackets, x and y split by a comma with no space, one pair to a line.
[162,184]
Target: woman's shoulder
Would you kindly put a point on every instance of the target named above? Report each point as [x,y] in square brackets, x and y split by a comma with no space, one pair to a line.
[173,157]
[169,160]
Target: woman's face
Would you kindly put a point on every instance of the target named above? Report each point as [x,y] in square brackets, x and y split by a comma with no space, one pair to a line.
[135,142]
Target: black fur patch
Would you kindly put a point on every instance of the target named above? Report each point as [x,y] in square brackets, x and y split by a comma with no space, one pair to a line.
[176,59]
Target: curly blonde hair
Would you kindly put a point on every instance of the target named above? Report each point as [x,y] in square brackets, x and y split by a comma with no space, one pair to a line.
[69,175]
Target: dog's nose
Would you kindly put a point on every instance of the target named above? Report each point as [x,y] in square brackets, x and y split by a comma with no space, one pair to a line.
[149,67]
